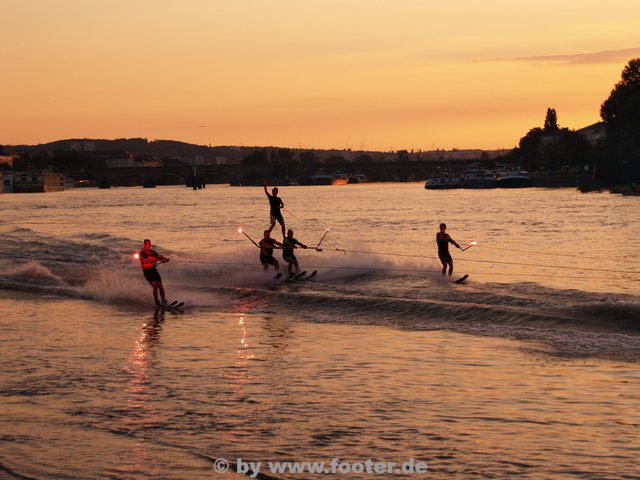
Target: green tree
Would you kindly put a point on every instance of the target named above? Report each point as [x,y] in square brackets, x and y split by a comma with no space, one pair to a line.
[621,115]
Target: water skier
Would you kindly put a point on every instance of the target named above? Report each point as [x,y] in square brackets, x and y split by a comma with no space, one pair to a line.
[443,239]
[275,204]
[149,259]
[288,244]
[267,244]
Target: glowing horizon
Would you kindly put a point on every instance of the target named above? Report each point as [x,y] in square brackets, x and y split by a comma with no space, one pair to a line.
[357,74]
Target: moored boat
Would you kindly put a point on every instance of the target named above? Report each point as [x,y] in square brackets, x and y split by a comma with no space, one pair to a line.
[358,178]
[484,179]
[334,178]
[322,179]
[339,178]
[516,179]
[442,182]
[38,182]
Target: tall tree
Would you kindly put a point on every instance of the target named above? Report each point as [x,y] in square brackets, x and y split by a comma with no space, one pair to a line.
[551,121]
[621,115]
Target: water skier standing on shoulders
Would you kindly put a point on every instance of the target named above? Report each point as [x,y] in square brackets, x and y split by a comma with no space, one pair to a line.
[267,244]
[288,244]
[275,204]
[149,259]
[443,239]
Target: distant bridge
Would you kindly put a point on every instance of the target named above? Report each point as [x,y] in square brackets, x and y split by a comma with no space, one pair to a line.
[197,176]
[200,175]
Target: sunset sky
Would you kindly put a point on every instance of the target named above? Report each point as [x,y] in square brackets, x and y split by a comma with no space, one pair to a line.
[359,74]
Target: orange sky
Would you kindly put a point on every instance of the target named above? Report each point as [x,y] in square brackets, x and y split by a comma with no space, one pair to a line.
[372,74]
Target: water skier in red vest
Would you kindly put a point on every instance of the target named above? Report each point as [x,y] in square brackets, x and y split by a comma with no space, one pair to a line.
[149,259]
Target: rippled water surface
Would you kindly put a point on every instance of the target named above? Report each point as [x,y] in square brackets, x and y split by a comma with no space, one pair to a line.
[528,370]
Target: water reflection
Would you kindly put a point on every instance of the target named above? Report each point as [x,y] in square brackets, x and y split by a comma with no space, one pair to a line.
[142,358]
[239,375]
[140,411]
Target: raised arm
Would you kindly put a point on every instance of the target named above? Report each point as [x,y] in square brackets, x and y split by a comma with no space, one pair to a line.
[266,192]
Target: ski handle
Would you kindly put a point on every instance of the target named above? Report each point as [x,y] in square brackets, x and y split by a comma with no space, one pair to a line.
[155,264]
[251,239]
[317,247]
[472,244]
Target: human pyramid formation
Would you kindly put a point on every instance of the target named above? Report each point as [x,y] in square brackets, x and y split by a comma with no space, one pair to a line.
[288,244]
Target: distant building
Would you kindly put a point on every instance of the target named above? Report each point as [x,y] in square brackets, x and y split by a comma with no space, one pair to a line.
[595,133]
[110,158]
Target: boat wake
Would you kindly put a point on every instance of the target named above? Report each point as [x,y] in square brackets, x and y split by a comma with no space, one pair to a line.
[363,290]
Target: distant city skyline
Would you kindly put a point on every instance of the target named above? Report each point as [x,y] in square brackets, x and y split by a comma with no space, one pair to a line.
[351,74]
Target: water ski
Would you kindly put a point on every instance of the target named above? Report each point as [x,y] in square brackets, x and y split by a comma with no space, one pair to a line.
[312,274]
[278,275]
[462,279]
[161,306]
[175,305]
[295,276]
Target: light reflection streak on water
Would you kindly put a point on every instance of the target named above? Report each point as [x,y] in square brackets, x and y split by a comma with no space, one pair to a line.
[239,376]
[139,412]
[244,352]
[238,411]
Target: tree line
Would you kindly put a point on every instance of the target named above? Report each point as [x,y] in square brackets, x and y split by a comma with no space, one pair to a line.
[615,160]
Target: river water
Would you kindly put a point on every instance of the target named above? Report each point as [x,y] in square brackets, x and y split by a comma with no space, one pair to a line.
[528,370]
